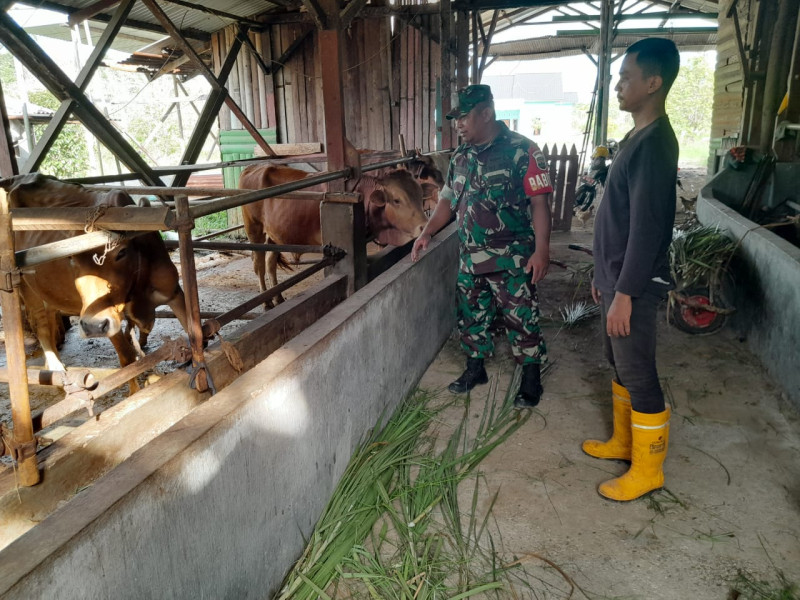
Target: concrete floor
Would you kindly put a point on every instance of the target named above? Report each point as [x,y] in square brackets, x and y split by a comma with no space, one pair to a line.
[732,496]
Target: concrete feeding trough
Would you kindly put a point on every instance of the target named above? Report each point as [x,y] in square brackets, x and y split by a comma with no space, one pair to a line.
[766,267]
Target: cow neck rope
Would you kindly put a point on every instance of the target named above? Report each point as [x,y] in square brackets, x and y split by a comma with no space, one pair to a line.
[112,239]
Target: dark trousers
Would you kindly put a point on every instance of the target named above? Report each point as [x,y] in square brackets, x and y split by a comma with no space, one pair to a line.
[634,356]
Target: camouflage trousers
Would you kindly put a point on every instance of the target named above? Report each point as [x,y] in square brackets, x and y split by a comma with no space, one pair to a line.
[508,296]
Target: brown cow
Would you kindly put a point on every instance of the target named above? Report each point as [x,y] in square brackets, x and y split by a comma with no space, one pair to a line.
[135,276]
[392,204]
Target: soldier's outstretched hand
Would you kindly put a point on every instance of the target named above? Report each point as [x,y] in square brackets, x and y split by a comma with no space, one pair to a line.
[538,265]
[420,245]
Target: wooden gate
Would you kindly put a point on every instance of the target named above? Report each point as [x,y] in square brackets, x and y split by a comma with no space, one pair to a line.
[564,175]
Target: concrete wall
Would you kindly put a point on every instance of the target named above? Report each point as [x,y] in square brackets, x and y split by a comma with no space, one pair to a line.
[767,274]
[218,505]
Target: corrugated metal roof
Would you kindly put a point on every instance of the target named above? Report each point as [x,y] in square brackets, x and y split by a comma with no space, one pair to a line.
[553,47]
[35,112]
[184,18]
[127,40]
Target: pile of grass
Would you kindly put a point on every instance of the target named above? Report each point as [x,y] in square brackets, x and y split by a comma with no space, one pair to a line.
[699,255]
[394,527]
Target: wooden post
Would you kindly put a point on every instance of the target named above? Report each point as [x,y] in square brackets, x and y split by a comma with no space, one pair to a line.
[604,71]
[446,71]
[462,49]
[343,225]
[189,276]
[24,443]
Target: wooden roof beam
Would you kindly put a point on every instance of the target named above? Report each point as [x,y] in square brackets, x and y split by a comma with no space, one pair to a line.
[317,13]
[349,12]
[219,93]
[80,16]
[28,52]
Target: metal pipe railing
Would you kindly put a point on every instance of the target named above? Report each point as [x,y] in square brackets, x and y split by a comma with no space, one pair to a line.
[216,206]
[212,326]
[293,248]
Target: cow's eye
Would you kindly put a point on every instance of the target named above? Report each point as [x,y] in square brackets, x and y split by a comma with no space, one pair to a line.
[121,254]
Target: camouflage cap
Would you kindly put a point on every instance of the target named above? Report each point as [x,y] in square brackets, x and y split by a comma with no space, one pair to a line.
[468,98]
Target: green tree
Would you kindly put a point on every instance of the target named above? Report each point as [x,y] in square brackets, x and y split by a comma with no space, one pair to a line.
[7,74]
[69,155]
[690,100]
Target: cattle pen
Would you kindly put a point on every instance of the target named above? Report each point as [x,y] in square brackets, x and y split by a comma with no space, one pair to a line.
[293,418]
[256,427]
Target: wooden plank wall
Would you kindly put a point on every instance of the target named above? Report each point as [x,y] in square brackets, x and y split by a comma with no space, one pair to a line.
[247,84]
[389,84]
[417,66]
[728,78]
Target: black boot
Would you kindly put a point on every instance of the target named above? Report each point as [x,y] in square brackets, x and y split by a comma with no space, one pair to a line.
[530,389]
[475,374]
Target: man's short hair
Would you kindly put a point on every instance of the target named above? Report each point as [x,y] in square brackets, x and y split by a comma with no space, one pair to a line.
[657,56]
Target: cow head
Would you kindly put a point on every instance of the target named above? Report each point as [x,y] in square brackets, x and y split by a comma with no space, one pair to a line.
[395,208]
[425,170]
[107,278]
[104,288]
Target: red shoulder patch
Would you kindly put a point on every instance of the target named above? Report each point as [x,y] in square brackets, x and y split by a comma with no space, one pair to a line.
[537,177]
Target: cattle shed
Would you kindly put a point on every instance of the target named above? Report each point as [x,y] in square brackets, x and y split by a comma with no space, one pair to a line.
[167,477]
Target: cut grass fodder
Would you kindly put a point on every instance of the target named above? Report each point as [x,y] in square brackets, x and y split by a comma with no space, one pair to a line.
[397,525]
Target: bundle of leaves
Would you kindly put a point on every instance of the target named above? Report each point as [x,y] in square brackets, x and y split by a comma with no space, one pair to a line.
[699,255]
[575,312]
[394,527]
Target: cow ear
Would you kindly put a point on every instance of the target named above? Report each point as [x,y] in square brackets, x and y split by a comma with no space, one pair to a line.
[143,202]
[429,189]
[378,198]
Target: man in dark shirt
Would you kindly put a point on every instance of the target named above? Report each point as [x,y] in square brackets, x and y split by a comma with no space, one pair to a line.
[633,230]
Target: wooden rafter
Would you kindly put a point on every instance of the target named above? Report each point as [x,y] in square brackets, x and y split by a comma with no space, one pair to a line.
[206,72]
[349,12]
[81,15]
[81,81]
[317,13]
[28,52]
[487,42]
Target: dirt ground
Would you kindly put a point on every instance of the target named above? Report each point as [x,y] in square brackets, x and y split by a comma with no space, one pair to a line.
[731,503]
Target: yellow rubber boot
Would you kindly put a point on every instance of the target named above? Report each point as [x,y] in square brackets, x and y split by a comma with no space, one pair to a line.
[650,438]
[619,446]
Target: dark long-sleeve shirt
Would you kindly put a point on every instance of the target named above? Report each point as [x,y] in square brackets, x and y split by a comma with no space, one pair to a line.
[633,225]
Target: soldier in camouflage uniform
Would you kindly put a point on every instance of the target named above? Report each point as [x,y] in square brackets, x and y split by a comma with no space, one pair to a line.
[498,188]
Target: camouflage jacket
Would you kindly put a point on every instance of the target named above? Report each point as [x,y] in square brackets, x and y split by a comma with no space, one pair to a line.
[489,189]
